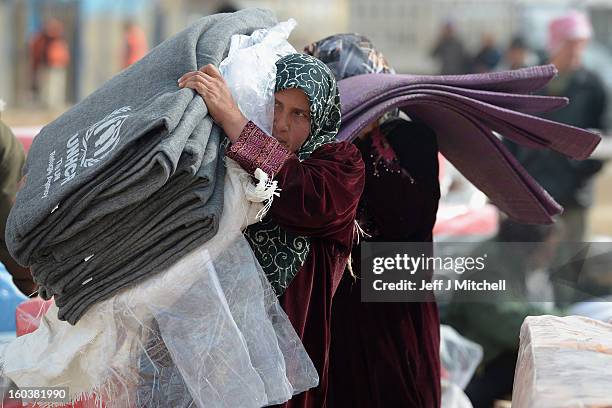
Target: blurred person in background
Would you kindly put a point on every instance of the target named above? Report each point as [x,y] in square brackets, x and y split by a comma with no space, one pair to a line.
[450,51]
[385,354]
[570,182]
[12,158]
[518,55]
[49,59]
[136,45]
[488,56]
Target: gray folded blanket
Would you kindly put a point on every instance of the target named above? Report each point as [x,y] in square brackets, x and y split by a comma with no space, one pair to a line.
[130,179]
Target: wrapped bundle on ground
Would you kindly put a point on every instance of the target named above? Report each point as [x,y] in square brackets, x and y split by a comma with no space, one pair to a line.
[563,362]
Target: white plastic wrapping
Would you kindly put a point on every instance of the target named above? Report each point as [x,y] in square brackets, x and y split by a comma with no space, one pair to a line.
[208,331]
[563,362]
[459,356]
[453,396]
[250,71]
[236,348]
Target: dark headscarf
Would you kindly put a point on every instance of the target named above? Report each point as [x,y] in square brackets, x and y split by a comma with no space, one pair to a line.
[280,253]
[348,55]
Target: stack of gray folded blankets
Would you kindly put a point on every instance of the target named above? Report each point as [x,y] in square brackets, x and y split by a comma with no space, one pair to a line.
[130,179]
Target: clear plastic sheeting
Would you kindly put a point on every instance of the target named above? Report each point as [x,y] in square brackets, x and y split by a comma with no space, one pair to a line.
[253,367]
[563,362]
[453,396]
[207,332]
[250,70]
[459,356]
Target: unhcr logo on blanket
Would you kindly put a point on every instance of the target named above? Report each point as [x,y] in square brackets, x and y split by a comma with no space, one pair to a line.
[103,137]
[99,140]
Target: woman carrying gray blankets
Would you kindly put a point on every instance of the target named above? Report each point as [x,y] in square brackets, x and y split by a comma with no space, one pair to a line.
[132,217]
[304,243]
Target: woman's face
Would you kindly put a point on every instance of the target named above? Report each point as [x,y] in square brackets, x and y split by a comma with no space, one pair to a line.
[291,118]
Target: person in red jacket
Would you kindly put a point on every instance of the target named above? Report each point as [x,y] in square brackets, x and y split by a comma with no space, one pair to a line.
[136,45]
[305,240]
[49,59]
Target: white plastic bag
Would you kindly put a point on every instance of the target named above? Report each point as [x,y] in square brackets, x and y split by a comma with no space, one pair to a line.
[250,71]
[459,356]
[453,396]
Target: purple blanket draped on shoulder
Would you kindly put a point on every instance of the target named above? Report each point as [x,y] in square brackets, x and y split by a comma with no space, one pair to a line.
[465,111]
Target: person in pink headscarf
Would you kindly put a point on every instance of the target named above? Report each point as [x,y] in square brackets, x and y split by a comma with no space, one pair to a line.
[568,36]
[570,182]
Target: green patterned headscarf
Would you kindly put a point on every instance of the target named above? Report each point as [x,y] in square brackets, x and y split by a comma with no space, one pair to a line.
[280,253]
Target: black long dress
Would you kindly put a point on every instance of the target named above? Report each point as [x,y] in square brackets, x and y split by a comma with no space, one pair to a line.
[387,354]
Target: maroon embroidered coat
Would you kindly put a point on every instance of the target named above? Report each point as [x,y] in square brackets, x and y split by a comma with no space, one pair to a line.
[318,199]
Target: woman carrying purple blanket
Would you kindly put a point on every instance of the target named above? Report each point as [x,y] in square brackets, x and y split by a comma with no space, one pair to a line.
[385,354]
